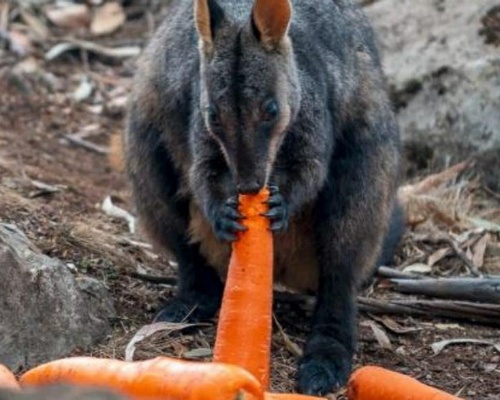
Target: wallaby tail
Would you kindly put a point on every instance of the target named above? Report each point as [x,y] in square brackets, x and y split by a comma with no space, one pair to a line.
[115,155]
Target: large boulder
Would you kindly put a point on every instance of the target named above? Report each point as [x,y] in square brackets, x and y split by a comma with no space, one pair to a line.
[443,63]
[45,312]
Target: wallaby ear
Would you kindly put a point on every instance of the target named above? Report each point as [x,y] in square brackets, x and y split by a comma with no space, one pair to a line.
[270,19]
[207,17]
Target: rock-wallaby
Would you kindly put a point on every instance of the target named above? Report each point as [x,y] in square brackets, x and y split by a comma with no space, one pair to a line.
[232,95]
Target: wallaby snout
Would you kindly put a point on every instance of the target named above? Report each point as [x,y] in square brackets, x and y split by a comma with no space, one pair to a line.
[251,186]
[251,166]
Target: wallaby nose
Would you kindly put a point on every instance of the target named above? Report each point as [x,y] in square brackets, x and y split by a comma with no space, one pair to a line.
[250,187]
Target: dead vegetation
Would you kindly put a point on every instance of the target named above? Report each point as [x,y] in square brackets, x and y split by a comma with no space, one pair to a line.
[64,76]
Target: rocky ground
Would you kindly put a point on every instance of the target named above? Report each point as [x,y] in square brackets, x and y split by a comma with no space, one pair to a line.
[63,88]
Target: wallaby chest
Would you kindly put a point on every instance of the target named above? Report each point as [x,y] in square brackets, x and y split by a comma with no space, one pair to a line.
[295,261]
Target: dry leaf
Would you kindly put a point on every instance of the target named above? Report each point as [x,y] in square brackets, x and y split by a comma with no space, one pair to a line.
[418,268]
[493,250]
[20,44]
[479,250]
[198,353]
[70,16]
[291,346]
[439,346]
[490,367]
[117,105]
[393,326]
[96,109]
[467,236]
[37,26]
[29,65]
[4,16]
[107,19]
[149,330]
[432,181]
[114,211]
[485,224]
[382,338]
[84,90]
[468,253]
[438,256]
[444,327]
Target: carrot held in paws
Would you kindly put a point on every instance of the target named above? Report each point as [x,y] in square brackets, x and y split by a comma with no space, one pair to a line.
[245,319]
[159,378]
[376,383]
[7,379]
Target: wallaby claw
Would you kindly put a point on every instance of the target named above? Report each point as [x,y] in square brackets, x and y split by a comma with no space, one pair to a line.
[278,212]
[226,222]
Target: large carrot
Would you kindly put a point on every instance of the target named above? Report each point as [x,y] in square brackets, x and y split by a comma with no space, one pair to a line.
[376,383]
[245,320]
[159,378]
[7,379]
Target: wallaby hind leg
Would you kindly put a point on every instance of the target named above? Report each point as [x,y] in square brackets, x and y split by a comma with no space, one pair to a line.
[391,241]
[328,352]
[352,216]
[199,290]
[393,237]
[165,217]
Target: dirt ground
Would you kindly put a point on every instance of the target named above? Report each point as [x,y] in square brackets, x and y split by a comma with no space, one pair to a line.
[38,115]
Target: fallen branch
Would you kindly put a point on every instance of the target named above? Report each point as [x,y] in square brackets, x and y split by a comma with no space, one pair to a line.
[74,44]
[461,310]
[161,280]
[486,290]
[473,312]
[78,141]
[386,272]
[44,188]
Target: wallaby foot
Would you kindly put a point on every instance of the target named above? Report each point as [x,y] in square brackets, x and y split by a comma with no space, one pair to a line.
[326,366]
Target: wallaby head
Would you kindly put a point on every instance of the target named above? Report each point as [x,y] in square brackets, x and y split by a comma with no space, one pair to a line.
[250,91]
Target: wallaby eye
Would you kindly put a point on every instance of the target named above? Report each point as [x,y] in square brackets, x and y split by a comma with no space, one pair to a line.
[270,110]
[213,116]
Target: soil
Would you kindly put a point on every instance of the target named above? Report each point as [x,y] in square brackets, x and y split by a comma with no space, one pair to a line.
[37,113]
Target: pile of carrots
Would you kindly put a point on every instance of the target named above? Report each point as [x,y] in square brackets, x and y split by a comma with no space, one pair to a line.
[240,369]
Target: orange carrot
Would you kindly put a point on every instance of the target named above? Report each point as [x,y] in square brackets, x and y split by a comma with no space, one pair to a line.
[159,378]
[376,383]
[245,320]
[7,379]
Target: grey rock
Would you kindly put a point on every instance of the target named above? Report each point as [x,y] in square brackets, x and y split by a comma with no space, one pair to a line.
[445,79]
[60,392]
[45,312]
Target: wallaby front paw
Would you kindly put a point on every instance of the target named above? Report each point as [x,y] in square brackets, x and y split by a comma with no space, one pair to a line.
[226,221]
[278,212]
